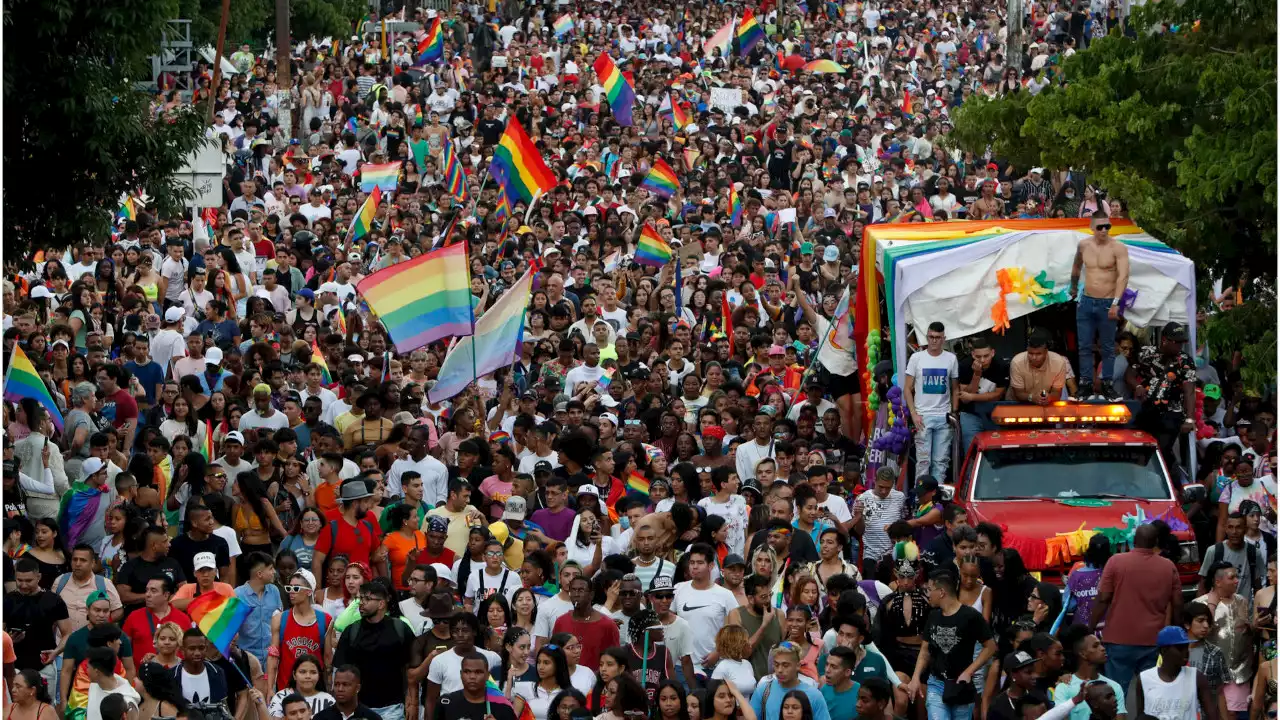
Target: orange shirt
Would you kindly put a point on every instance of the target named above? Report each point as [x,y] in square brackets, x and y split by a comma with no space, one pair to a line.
[398,549]
[326,497]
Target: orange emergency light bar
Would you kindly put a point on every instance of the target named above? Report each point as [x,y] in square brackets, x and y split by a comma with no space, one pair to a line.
[1060,412]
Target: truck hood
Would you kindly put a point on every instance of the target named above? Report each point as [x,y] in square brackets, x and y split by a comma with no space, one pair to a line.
[1046,518]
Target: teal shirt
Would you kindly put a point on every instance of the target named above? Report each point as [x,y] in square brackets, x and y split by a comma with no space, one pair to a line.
[841,705]
[1063,692]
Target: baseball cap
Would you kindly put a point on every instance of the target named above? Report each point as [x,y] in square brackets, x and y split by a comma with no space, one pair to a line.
[588,489]
[213,356]
[831,254]
[204,560]
[732,560]
[307,293]
[1020,659]
[661,583]
[443,572]
[1213,392]
[234,436]
[542,466]
[91,466]
[1175,331]
[777,350]
[830,212]
[174,314]
[307,576]
[515,509]
[1172,635]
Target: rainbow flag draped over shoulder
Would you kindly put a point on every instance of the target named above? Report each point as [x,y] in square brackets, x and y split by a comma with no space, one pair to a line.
[22,381]
[385,176]
[424,299]
[218,617]
[454,181]
[495,344]
[518,166]
[749,33]
[652,249]
[363,221]
[83,506]
[431,47]
[735,207]
[617,88]
[661,180]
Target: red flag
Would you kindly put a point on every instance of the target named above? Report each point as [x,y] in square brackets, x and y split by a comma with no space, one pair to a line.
[726,314]
[906,101]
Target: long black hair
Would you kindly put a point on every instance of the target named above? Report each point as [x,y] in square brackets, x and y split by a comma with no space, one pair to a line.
[510,637]
[57,535]
[683,713]
[254,492]
[556,653]
[806,710]
[159,684]
[35,680]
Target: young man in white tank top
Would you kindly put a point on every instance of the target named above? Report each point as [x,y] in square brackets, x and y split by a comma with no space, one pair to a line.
[1171,690]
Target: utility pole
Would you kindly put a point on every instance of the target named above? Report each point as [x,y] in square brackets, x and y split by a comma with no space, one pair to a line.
[284,79]
[1014,54]
[217,60]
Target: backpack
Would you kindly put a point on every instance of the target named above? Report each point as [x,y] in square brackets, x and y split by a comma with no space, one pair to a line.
[333,532]
[61,583]
[322,622]
[1251,557]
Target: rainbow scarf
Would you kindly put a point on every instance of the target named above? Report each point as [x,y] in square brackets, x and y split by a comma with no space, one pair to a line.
[82,506]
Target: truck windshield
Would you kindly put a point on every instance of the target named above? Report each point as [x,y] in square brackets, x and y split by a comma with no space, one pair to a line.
[1072,471]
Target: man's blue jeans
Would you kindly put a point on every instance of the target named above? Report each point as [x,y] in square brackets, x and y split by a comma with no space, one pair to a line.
[1091,321]
[933,448]
[1125,661]
[939,710]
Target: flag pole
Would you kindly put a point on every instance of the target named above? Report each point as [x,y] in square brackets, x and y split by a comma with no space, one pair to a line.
[475,375]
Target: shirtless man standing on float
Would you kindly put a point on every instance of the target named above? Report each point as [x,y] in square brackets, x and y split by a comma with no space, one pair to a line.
[1106,262]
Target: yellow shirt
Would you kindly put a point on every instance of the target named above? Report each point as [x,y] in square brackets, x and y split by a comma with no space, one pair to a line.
[458,527]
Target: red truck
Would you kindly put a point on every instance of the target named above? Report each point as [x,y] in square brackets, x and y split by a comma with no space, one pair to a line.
[1050,470]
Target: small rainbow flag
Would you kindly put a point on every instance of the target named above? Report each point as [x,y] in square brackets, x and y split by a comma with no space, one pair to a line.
[207,450]
[518,166]
[317,357]
[342,320]
[23,381]
[385,176]
[563,25]
[652,249]
[823,66]
[219,618]
[722,40]
[906,101]
[638,484]
[690,157]
[617,88]
[602,385]
[661,180]
[679,116]
[735,207]
[502,210]
[777,586]
[362,224]
[749,33]
[431,47]
[493,694]
[454,181]
[129,210]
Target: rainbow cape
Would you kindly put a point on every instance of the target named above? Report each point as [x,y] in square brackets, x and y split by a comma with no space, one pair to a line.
[454,181]
[617,88]
[431,47]
[652,249]
[749,33]
[518,167]
[424,299]
[661,180]
[385,176]
[219,618]
[22,381]
[83,506]
[362,223]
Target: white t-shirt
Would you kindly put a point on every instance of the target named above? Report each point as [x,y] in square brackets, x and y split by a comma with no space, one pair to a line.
[506,580]
[252,420]
[319,701]
[586,555]
[738,672]
[705,610]
[933,378]
[528,461]
[831,356]
[535,698]
[98,693]
[749,454]
[195,688]
[446,669]
[313,213]
[582,374]
[549,611]
[676,636]
[735,514]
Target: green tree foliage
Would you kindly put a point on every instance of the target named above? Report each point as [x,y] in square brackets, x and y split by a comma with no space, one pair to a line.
[1181,125]
[253,21]
[77,133]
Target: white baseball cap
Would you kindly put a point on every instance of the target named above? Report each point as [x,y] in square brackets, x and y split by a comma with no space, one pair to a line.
[174,314]
[204,560]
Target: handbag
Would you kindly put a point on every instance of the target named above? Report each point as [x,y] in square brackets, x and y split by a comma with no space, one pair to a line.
[955,692]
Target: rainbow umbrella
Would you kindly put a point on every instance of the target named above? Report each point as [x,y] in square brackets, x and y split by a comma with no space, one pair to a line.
[823,66]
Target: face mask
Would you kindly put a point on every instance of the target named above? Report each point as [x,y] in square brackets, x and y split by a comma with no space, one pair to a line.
[625,522]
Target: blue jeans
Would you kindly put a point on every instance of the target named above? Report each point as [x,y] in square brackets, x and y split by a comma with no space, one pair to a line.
[970,425]
[933,448]
[390,712]
[939,710]
[1125,661]
[1091,320]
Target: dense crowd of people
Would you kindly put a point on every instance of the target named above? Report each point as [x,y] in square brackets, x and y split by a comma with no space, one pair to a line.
[671,506]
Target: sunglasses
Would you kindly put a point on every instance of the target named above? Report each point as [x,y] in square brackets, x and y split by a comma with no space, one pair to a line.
[493,553]
[705,469]
[296,588]
[1103,227]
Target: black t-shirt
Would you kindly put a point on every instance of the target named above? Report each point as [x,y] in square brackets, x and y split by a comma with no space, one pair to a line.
[455,706]
[491,131]
[137,572]
[952,639]
[184,550]
[996,376]
[381,651]
[780,164]
[35,616]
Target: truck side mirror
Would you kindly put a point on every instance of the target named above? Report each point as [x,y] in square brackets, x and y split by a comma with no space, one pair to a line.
[1194,492]
[946,492]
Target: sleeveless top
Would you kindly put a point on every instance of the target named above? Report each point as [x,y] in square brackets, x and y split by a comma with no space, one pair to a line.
[244,521]
[654,672]
[1175,700]
[297,640]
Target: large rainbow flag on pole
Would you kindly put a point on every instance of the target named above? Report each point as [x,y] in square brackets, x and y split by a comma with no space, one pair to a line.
[495,344]
[454,181]
[431,47]
[661,180]
[424,299]
[722,39]
[219,618]
[652,249]
[22,381]
[617,88]
[518,166]
[749,33]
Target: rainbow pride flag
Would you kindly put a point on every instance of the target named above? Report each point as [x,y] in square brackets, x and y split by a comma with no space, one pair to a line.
[652,249]
[735,207]
[722,40]
[362,223]
[424,299]
[617,88]
[502,210]
[317,357]
[495,344]
[749,33]
[679,117]
[385,176]
[493,694]
[22,381]
[454,180]
[638,484]
[82,507]
[602,385]
[563,25]
[129,210]
[518,167]
[207,449]
[661,180]
[219,618]
[431,47]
